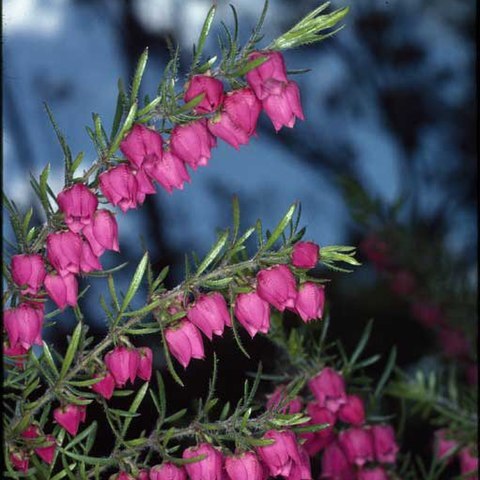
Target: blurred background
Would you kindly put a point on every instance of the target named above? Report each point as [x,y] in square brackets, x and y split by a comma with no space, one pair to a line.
[386,158]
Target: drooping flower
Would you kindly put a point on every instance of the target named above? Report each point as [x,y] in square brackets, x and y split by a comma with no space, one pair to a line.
[19,460]
[444,446]
[353,411]
[305,255]
[317,441]
[310,301]
[270,76]
[106,386]
[102,232]
[119,186]
[377,473]
[28,272]
[64,252]
[212,89]
[167,471]
[62,290]
[253,313]
[69,417]
[335,465]
[468,462]
[88,261]
[210,468]
[244,466]
[384,443]
[18,353]
[142,145]
[302,470]
[47,452]
[295,405]
[357,443]
[185,342]
[145,364]
[329,389]
[277,286]
[24,325]
[78,204]
[122,362]
[210,314]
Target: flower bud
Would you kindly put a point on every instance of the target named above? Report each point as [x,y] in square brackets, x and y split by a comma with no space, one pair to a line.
[377,473]
[358,445]
[19,460]
[69,417]
[143,475]
[88,261]
[169,172]
[305,255]
[212,89]
[78,204]
[253,313]
[269,77]
[278,396]
[142,144]
[122,363]
[145,364]
[28,272]
[352,412]
[285,107]
[317,441]
[210,314]
[192,143]
[64,252]
[245,466]
[32,431]
[119,186]
[167,471]
[47,452]
[276,285]
[62,290]
[237,121]
[329,389]
[310,301]
[210,468]
[24,325]
[106,386]
[280,456]
[102,232]
[468,462]
[18,352]
[335,464]
[184,342]
[386,447]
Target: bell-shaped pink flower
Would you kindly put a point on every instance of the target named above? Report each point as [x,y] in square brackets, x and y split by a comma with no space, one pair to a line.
[28,272]
[210,468]
[285,107]
[20,460]
[24,325]
[88,261]
[62,290]
[269,77]
[310,301]
[277,286]
[352,412]
[143,475]
[386,447]
[145,364]
[192,143]
[69,417]
[210,314]
[295,405]
[468,462]
[17,352]
[64,252]
[78,204]
[185,342]
[106,386]
[329,389]
[47,452]
[102,232]
[302,470]
[305,255]
[169,171]
[122,362]
[212,89]
[32,431]
[253,313]
[244,466]
[145,184]
[282,455]
[141,144]
[124,476]
[317,441]
[377,473]
[119,186]
[335,465]
[237,121]
[357,444]
[167,471]
[444,445]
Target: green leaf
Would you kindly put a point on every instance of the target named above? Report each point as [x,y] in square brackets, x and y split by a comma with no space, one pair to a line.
[134,407]
[126,126]
[135,283]
[71,351]
[203,35]
[248,66]
[142,62]
[236,218]
[47,355]
[90,430]
[280,227]
[168,357]
[386,373]
[87,459]
[213,253]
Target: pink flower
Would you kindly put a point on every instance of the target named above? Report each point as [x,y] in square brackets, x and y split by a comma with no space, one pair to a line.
[69,417]
[169,172]
[145,364]
[444,446]
[62,290]
[102,232]
[192,143]
[310,301]
[329,389]
[358,445]
[64,252]
[302,470]
[141,145]
[18,352]
[282,455]
[167,471]
[24,325]
[335,465]
[106,386]
[253,313]
[78,204]
[278,396]
[119,186]
[144,184]
[122,363]
[47,452]
[210,87]
[32,431]
[386,447]
[28,272]
[185,342]
[210,314]
[88,261]
[19,460]
[277,286]
[377,473]
[285,107]
[244,466]
[210,468]
[305,255]
[237,121]
[352,412]
[143,475]
[468,462]
[268,78]
[317,441]
[124,476]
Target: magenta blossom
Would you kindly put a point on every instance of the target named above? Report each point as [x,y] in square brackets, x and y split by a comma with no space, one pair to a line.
[277,286]
[468,462]
[210,314]
[62,290]
[335,465]
[253,313]
[64,252]
[28,272]
[185,342]
[69,417]
[106,386]
[444,446]
[142,145]
[145,364]
[24,325]
[244,466]
[305,255]
[78,204]
[269,77]
[329,389]
[20,460]
[210,87]
[88,260]
[210,468]
[167,471]
[310,301]
[122,362]
[317,441]
[47,452]
[102,232]
[357,444]
[278,396]
[119,186]
[352,412]
[386,447]
[377,473]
